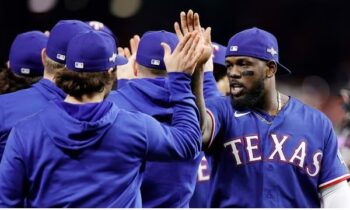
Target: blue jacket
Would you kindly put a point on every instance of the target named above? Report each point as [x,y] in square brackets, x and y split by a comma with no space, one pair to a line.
[93,155]
[20,104]
[165,185]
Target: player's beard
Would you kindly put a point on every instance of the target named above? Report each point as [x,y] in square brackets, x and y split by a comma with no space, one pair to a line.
[251,97]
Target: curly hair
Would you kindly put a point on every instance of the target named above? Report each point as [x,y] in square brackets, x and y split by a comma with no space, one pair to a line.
[77,84]
[10,82]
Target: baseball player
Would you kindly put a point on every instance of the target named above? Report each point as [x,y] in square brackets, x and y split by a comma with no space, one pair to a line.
[23,103]
[85,151]
[165,185]
[25,66]
[269,149]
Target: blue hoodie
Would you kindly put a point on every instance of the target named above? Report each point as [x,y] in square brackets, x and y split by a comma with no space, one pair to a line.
[168,185]
[20,104]
[93,155]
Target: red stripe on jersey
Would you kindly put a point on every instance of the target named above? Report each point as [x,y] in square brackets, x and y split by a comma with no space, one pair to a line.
[334,181]
[213,128]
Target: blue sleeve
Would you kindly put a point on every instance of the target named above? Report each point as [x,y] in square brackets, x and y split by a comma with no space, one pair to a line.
[182,139]
[210,88]
[3,134]
[333,168]
[12,174]
[217,109]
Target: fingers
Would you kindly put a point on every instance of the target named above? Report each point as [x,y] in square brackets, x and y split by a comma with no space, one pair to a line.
[192,42]
[190,23]
[182,42]
[207,35]
[192,48]
[178,31]
[47,33]
[183,20]
[96,25]
[134,43]
[121,51]
[127,52]
[167,49]
[196,22]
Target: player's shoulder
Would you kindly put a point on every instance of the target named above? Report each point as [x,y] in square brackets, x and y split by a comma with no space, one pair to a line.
[219,101]
[132,117]
[17,97]
[18,103]
[29,123]
[299,107]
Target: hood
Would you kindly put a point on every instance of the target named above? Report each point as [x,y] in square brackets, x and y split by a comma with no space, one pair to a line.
[49,90]
[75,127]
[150,96]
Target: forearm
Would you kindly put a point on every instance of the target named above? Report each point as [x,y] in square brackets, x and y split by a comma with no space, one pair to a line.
[185,123]
[210,89]
[198,91]
[337,196]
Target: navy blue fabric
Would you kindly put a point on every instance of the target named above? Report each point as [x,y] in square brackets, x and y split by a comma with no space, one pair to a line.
[23,103]
[93,155]
[282,164]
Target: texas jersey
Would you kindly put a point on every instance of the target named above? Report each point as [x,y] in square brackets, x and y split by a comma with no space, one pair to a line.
[264,161]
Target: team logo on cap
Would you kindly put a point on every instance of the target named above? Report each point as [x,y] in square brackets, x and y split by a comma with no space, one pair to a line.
[79,65]
[25,71]
[113,57]
[271,51]
[155,62]
[61,57]
[234,48]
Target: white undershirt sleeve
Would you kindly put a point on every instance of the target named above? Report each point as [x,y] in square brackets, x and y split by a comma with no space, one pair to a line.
[336,196]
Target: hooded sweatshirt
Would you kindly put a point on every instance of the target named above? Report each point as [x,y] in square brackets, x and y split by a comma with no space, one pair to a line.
[20,104]
[165,184]
[93,155]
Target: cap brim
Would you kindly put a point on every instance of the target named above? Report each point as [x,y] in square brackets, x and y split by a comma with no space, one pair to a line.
[121,60]
[285,70]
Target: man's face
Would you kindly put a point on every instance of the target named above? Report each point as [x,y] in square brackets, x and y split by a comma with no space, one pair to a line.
[246,76]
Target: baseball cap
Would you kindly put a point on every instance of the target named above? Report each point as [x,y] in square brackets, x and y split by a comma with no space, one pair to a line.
[150,53]
[25,54]
[219,52]
[93,51]
[60,36]
[104,28]
[257,43]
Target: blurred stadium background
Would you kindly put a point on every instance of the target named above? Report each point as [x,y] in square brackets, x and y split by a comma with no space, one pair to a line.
[314,35]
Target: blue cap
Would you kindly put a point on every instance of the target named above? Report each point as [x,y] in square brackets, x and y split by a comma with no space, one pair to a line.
[93,51]
[60,35]
[25,54]
[122,60]
[256,43]
[150,53]
[219,52]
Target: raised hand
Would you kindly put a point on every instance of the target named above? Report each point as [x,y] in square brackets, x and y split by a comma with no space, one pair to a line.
[190,22]
[186,54]
[127,71]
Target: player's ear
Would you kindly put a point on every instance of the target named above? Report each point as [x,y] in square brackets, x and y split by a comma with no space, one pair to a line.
[271,69]
[135,68]
[43,56]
